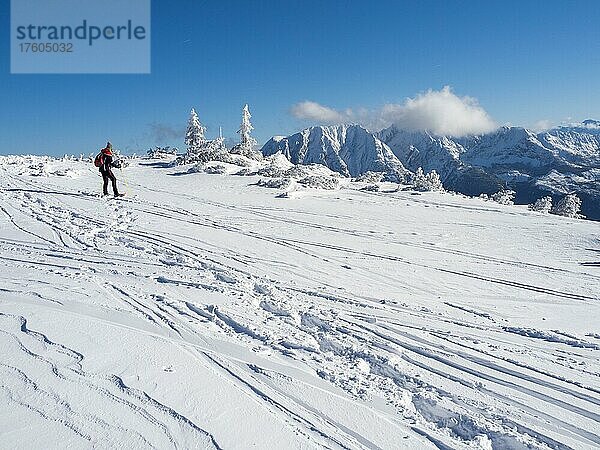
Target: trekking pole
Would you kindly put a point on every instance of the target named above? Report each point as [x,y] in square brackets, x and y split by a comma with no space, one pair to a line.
[124,180]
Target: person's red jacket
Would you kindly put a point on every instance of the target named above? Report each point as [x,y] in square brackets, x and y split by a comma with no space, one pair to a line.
[107,160]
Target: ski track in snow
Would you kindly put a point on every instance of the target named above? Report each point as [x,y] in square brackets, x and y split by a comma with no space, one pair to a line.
[331,324]
[46,378]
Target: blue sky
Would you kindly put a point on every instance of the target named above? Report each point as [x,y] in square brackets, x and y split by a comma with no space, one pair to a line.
[524,62]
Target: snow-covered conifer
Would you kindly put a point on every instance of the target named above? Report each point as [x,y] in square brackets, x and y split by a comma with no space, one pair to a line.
[246,127]
[504,197]
[194,136]
[429,182]
[543,205]
[419,175]
[434,181]
[200,149]
[247,142]
[569,206]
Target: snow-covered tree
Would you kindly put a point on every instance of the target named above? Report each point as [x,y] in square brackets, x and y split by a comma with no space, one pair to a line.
[200,149]
[569,206]
[245,128]
[247,142]
[429,182]
[543,205]
[194,136]
[435,183]
[504,197]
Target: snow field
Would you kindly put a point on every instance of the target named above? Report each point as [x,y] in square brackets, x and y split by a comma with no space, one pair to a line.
[204,311]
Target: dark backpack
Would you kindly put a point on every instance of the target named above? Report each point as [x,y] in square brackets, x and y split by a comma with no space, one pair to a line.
[99,160]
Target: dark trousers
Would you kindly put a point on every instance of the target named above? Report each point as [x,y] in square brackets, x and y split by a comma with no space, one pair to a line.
[109,176]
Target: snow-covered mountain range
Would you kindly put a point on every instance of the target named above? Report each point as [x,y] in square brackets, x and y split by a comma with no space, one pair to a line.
[562,160]
[348,149]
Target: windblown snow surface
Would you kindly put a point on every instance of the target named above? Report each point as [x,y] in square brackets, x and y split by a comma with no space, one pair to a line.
[202,311]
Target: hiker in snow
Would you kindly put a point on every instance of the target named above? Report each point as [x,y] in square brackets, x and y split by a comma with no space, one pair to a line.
[104,161]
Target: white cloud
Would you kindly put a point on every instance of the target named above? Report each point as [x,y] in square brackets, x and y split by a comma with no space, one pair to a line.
[440,112]
[545,125]
[308,110]
[542,125]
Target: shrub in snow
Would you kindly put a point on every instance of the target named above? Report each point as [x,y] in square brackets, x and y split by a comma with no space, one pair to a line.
[246,171]
[251,154]
[216,169]
[271,171]
[277,165]
[370,177]
[161,152]
[303,171]
[504,197]
[484,197]
[196,168]
[277,183]
[279,159]
[298,171]
[400,177]
[120,163]
[569,206]
[370,188]
[429,182]
[39,170]
[65,172]
[212,168]
[543,205]
[237,160]
[209,151]
[320,182]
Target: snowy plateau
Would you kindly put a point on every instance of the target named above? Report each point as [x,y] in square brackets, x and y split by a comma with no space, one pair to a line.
[217,307]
